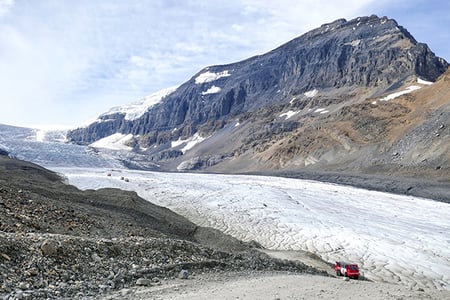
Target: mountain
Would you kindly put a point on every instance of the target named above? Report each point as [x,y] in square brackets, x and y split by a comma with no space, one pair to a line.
[355,96]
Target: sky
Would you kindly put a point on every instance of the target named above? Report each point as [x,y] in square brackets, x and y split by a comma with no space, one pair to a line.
[64,62]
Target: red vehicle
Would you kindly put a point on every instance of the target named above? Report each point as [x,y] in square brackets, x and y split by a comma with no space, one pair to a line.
[346,269]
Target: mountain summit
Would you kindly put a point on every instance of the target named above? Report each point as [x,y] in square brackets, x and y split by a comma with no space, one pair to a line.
[344,96]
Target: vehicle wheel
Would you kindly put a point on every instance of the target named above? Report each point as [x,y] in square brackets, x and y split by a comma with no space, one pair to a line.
[338,273]
[345,274]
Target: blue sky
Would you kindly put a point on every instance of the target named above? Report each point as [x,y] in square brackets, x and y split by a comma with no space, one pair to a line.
[63,62]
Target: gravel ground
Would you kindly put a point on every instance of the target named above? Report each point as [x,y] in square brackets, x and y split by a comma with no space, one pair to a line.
[43,266]
[274,286]
[431,188]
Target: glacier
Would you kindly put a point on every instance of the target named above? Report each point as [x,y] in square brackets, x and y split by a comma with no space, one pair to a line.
[394,238]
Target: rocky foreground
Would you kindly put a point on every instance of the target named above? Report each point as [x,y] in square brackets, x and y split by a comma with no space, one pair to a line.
[61,266]
[59,242]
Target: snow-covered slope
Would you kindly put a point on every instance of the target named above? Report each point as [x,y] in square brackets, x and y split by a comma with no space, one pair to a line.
[136,109]
[116,141]
[49,149]
[46,148]
[399,239]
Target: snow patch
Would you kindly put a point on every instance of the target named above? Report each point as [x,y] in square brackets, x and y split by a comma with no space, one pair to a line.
[311,93]
[116,141]
[135,110]
[47,134]
[421,81]
[212,90]
[321,111]
[40,135]
[289,114]
[210,76]
[196,139]
[398,94]
[177,143]
[189,143]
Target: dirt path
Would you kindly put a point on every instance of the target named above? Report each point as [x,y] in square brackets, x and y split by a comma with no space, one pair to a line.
[277,285]
[274,286]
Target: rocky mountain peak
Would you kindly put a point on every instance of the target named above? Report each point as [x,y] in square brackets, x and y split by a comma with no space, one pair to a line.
[338,64]
[372,21]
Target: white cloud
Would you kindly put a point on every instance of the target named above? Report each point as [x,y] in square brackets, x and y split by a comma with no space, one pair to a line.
[280,21]
[190,47]
[58,57]
[139,61]
[237,27]
[5,6]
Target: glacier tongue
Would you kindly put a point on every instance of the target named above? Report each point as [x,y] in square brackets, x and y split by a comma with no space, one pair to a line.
[394,238]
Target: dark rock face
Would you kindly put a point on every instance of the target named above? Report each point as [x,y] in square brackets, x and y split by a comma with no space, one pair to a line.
[369,53]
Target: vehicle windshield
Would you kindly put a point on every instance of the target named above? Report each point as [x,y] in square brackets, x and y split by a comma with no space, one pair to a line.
[353,267]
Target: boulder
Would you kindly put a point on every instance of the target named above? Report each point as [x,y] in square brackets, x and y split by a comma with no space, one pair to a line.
[184,274]
[49,247]
[143,282]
